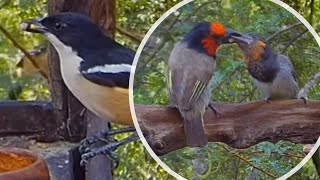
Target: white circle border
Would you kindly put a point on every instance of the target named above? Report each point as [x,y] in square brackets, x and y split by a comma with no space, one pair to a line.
[135,61]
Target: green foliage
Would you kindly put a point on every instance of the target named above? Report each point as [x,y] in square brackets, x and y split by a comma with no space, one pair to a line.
[231,82]
[137,17]
[12,87]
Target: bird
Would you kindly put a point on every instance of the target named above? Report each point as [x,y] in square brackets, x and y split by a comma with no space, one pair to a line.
[272,72]
[191,66]
[24,67]
[95,68]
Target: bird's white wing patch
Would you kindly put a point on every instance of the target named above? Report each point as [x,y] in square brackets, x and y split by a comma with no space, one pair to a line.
[110,68]
[197,91]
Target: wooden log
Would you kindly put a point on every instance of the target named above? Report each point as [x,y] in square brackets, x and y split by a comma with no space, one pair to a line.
[241,125]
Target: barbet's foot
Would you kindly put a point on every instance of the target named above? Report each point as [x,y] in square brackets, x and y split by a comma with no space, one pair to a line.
[104,143]
[304,99]
[211,106]
[268,99]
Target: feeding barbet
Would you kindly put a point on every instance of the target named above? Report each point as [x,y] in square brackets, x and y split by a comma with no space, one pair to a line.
[191,67]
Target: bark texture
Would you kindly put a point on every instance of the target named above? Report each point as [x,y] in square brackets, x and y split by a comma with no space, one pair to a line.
[240,125]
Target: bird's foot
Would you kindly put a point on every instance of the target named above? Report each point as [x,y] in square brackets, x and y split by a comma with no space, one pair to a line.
[304,99]
[103,143]
[174,107]
[85,144]
[211,106]
[268,99]
[107,150]
[104,137]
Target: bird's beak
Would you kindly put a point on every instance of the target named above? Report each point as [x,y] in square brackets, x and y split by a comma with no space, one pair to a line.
[240,38]
[228,38]
[33,25]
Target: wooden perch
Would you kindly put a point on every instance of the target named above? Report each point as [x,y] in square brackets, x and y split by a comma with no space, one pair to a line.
[241,125]
[28,118]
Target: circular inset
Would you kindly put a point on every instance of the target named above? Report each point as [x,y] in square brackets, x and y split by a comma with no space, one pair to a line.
[285,31]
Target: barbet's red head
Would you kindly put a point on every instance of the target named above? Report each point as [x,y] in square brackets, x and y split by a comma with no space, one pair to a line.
[211,42]
[206,37]
[217,29]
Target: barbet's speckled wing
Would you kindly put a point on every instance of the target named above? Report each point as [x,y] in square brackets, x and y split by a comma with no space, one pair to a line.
[188,77]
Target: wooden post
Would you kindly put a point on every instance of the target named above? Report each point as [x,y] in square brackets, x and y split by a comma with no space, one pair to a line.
[72,124]
[99,167]
[102,12]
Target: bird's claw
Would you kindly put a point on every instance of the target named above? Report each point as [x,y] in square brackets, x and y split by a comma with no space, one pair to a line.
[211,106]
[100,137]
[86,143]
[104,145]
[267,99]
[105,150]
[304,100]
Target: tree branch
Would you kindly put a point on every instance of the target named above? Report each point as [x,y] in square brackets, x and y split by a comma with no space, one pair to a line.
[198,9]
[241,125]
[312,8]
[248,162]
[294,40]
[226,78]
[4,3]
[305,90]
[283,30]
[17,45]
[134,36]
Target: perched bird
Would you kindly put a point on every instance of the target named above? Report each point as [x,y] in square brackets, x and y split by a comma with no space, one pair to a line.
[272,72]
[24,67]
[94,67]
[191,67]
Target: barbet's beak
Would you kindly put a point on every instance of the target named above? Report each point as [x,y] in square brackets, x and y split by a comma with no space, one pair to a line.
[240,38]
[228,38]
[33,25]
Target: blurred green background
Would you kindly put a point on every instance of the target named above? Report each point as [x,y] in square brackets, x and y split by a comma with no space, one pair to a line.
[232,83]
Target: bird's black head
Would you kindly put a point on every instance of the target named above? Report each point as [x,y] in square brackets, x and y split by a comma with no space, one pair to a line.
[206,37]
[71,29]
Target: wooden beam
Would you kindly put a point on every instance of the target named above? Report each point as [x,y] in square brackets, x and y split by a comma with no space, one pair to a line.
[241,125]
[28,118]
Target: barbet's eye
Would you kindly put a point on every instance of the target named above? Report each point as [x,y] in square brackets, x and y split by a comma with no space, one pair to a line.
[58,26]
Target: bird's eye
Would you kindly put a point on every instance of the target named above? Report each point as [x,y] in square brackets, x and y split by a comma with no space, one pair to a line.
[57,26]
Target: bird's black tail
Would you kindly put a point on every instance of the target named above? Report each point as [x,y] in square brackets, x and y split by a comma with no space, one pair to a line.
[193,128]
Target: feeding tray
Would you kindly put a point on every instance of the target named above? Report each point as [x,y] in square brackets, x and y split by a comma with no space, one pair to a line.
[20,164]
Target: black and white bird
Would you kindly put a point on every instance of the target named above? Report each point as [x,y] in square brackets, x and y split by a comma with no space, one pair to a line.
[94,67]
